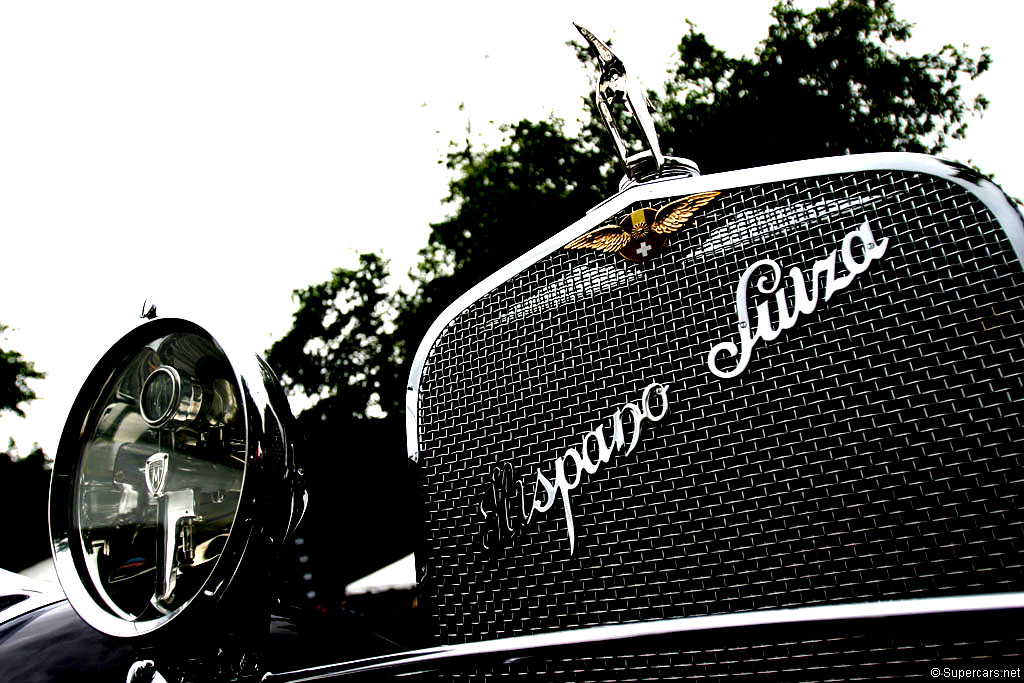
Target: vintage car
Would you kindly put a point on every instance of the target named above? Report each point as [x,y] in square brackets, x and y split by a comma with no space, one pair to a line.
[754,424]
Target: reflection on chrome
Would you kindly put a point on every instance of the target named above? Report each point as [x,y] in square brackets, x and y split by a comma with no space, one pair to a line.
[160,477]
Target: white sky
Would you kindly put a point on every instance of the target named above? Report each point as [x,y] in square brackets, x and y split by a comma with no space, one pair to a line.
[213,157]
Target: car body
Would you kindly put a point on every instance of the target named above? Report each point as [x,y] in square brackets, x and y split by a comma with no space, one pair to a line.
[911,560]
[763,423]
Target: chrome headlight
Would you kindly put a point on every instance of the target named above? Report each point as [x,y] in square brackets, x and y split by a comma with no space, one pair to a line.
[176,470]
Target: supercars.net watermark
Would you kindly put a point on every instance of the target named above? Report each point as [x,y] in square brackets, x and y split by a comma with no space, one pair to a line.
[950,672]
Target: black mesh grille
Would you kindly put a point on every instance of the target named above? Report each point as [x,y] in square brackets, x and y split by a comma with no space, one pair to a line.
[867,453]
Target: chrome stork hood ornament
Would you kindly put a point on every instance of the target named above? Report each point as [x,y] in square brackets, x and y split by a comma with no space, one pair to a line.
[640,154]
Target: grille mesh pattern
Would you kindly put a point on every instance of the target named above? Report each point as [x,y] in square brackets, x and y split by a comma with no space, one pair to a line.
[867,453]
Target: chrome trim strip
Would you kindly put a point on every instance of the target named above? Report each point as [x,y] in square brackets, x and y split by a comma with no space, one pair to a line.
[613,632]
[34,594]
[985,190]
[30,604]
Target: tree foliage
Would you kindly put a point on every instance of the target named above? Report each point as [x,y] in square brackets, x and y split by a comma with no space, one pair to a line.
[24,480]
[341,354]
[825,82]
[15,372]
[340,343]
[515,196]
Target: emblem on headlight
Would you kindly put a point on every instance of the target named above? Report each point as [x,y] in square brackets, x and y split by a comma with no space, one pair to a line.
[156,474]
[643,233]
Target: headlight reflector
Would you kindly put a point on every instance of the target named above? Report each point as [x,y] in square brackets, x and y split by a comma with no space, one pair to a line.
[157,479]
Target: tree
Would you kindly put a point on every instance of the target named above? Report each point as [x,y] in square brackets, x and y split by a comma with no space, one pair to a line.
[339,351]
[15,372]
[509,200]
[830,81]
[24,480]
[825,82]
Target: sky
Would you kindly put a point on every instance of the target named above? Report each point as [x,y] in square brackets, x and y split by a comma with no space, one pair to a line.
[213,157]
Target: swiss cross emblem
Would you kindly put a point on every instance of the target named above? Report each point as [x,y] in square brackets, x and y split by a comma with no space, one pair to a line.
[645,247]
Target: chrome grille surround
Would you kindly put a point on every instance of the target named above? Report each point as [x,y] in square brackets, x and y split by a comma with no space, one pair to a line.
[869,453]
[877,641]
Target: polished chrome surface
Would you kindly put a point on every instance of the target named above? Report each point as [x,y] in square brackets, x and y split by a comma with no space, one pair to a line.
[159,472]
[23,595]
[208,496]
[616,89]
[176,510]
[159,395]
[771,282]
[984,189]
[167,397]
[422,660]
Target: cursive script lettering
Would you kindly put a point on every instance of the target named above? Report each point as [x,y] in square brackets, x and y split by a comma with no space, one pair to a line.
[804,300]
[506,509]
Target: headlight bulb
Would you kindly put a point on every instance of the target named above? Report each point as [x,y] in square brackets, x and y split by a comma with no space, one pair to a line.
[167,398]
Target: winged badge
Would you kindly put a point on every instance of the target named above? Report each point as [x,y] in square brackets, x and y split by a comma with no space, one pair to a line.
[643,233]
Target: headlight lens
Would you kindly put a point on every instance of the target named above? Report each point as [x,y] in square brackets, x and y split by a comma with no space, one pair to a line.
[152,472]
[158,490]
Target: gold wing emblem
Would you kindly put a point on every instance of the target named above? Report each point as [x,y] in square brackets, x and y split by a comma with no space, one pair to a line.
[673,216]
[632,237]
[610,238]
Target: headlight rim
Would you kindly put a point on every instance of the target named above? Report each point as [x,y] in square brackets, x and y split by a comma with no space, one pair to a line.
[258,405]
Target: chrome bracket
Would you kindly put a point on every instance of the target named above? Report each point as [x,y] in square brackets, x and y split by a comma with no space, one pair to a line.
[175,512]
[617,91]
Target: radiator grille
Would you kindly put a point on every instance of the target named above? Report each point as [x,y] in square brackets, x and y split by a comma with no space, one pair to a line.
[870,452]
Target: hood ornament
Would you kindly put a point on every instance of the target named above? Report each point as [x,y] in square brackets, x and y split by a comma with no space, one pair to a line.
[151,313]
[617,92]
